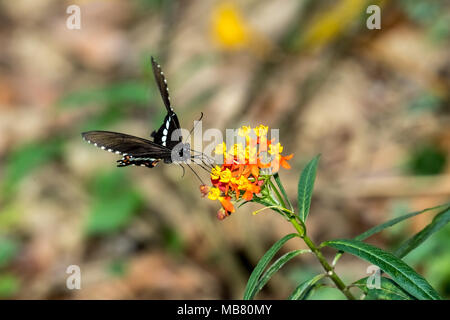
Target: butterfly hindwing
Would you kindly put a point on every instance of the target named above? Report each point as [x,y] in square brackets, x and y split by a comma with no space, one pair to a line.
[164,134]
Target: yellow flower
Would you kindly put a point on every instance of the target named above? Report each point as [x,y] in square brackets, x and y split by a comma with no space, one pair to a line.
[215,173]
[275,149]
[261,130]
[214,194]
[251,154]
[221,148]
[238,151]
[229,29]
[241,181]
[244,131]
[225,176]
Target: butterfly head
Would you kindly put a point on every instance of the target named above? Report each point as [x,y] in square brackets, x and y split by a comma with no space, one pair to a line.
[180,153]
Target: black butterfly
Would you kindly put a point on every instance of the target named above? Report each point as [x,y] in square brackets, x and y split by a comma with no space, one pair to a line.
[143,152]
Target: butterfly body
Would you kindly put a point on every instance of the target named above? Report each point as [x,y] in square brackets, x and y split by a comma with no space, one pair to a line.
[166,146]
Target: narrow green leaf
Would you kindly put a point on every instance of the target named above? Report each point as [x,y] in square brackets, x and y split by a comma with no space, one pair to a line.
[254,277]
[301,292]
[266,204]
[400,272]
[277,179]
[388,224]
[389,290]
[392,222]
[277,265]
[306,186]
[439,221]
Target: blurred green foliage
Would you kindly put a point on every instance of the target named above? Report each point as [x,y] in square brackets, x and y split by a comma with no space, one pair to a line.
[9,285]
[115,201]
[8,250]
[118,267]
[26,158]
[432,15]
[172,240]
[425,102]
[122,93]
[427,159]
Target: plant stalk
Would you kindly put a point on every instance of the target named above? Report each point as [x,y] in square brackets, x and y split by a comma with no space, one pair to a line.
[330,272]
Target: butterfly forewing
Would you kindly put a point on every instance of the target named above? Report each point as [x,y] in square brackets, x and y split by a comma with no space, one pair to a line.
[163,135]
[162,84]
[125,144]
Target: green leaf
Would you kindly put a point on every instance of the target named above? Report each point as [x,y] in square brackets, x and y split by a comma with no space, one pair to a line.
[277,179]
[400,272]
[389,290]
[306,186]
[392,222]
[388,224]
[301,292]
[252,283]
[439,221]
[266,203]
[277,265]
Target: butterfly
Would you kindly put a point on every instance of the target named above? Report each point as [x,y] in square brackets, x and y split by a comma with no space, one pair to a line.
[144,152]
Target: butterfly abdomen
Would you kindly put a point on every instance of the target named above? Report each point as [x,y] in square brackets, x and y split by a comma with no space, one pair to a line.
[137,161]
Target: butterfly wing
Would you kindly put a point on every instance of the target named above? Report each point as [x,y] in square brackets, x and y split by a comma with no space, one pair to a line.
[162,84]
[125,144]
[163,135]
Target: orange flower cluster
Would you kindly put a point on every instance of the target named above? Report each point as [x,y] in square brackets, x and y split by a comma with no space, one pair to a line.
[242,174]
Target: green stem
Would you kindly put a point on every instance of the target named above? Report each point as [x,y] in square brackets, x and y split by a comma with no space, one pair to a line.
[330,272]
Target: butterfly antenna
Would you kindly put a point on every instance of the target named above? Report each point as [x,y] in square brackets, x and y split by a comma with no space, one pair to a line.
[202,156]
[196,174]
[193,127]
[201,159]
[184,170]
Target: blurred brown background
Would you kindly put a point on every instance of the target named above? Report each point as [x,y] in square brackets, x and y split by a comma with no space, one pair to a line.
[374,103]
